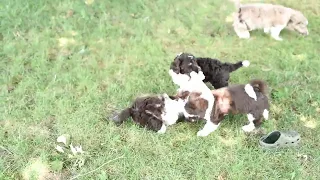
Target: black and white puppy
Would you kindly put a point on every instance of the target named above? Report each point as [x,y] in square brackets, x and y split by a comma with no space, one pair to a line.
[215,71]
[195,93]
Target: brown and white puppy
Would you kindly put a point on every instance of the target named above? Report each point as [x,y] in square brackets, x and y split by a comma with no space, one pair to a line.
[198,99]
[154,112]
[195,106]
[269,17]
[250,99]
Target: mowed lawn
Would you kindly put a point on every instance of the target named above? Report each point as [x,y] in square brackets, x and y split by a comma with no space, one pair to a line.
[66,66]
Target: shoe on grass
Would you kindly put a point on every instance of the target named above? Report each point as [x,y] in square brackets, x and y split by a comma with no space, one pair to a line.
[280,139]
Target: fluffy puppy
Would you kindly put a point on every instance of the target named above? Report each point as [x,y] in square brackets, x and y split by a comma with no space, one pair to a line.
[215,72]
[152,112]
[250,99]
[269,17]
[198,99]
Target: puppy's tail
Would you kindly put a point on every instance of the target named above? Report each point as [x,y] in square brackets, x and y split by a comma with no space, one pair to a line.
[259,85]
[232,67]
[122,116]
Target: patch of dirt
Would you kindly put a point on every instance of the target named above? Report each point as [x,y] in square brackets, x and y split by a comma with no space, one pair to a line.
[49,123]
[37,169]
[14,83]
[69,13]
[55,53]
[40,170]
[223,176]
[43,129]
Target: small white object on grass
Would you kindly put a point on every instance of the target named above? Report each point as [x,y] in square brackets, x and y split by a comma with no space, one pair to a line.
[73,149]
[59,149]
[62,139]
[79,149]
[265,114]
[245,63]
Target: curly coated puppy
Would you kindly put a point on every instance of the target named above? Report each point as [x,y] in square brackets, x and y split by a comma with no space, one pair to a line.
[250,99]
[269,17]
[215,71]
[193,100]
[198,99]
[152,112]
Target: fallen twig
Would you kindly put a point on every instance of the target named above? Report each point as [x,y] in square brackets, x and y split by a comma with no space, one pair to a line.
[6,149]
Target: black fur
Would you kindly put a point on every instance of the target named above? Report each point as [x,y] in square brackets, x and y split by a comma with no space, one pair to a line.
[145,111]
[215,72]
[185,64]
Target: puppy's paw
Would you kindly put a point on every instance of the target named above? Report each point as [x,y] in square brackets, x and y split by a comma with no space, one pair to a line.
[244,35]
[202,133]
[248,128]
[277,38]
[193,74]
[163,129]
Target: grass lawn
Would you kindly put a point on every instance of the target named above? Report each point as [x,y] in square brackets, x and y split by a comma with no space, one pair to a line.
[66,65]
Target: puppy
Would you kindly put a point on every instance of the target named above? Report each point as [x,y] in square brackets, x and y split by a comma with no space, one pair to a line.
[215,72]
[269,17]
[197,97]
[152,112]
[250,99]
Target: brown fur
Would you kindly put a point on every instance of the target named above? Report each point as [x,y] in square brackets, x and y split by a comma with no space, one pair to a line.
[235,100]
[145,111]
[195,106]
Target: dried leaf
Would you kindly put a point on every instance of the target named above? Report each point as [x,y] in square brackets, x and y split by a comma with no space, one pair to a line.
[79,149]
[62,139]
[73,150]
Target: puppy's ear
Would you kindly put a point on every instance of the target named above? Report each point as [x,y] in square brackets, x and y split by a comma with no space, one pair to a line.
[218,92]
[296,18]
[172,97]
[175,66]
[182,95]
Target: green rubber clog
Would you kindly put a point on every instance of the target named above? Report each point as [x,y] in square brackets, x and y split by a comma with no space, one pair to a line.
[280,139]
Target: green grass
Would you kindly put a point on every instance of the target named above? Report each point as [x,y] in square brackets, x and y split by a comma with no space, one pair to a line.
[66,65]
